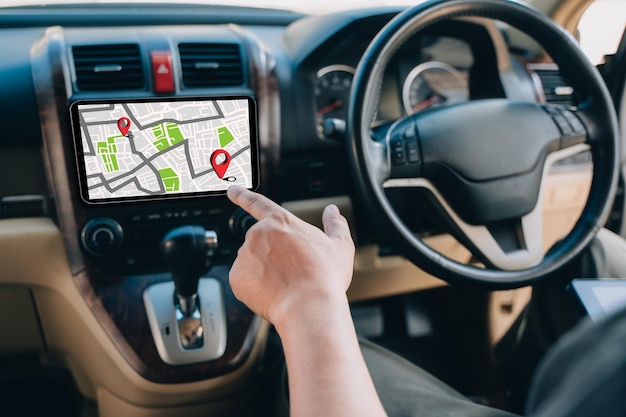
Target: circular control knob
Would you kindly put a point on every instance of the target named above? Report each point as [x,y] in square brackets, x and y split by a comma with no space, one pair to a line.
[240,222]
[101,236]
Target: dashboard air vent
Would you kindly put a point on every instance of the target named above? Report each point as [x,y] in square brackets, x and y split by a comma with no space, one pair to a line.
[211,65]
[554,86]
[108,67]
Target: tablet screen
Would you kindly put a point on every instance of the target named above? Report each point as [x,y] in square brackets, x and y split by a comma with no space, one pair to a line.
[129,150]
[601,296]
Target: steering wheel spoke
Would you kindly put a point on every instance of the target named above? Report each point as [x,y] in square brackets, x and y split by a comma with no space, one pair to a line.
[508,244]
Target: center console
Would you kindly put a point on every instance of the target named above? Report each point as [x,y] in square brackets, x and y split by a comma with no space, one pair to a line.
[130,173]
[124,240]
[146,166]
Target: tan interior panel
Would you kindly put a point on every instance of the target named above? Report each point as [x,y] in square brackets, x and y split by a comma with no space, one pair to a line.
[565,196]
[505,307]
[311,210]
[113,406]
[18,321]
[33,256]
[568,14]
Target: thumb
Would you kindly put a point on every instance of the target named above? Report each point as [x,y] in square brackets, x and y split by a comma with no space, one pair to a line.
[335,225]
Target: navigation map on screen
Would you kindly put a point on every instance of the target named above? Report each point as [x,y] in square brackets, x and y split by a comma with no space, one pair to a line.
[154,149]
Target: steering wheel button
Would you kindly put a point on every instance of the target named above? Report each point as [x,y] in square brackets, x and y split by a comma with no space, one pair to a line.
[399,157]
[551,110]
[412,153]
[396,145]
[574,122]
[564,127]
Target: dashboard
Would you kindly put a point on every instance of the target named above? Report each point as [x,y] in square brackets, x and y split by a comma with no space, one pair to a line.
[63,64]
[298,71]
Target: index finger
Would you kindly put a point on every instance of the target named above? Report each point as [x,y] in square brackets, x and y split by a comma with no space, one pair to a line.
[256,204]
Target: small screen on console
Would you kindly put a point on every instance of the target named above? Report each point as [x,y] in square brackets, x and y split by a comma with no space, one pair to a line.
[601,297]
[129,150]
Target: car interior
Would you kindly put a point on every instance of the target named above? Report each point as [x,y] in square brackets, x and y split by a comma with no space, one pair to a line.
[123,123]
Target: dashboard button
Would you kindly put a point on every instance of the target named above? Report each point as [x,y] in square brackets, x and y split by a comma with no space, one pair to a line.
[317,176]
[162,72]
[215,212]
[240,222]
[101,236]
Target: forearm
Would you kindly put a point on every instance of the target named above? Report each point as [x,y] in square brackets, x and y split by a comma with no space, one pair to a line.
[327,374]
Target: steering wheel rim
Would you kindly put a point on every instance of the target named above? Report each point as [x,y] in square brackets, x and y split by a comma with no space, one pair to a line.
[369,159]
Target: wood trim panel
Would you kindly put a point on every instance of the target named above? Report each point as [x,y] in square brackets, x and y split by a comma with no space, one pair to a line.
[118,305]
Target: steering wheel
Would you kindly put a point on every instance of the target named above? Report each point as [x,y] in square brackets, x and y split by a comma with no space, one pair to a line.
[484,162]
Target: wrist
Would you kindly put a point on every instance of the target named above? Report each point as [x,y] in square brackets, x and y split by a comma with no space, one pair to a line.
[309,312]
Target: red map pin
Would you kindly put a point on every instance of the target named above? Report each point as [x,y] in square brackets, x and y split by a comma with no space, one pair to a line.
[220,167]
[123,125]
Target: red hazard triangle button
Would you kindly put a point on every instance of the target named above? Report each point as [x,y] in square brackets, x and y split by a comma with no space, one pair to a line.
[163,69]
[162,72]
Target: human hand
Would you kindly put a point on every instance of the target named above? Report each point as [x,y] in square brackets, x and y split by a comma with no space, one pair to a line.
[286,263]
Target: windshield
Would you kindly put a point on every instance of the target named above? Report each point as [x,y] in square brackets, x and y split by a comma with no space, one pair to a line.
[300,6]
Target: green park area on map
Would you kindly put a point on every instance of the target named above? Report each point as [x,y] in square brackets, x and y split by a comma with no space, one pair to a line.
[225,136]
[170,180]
[107,149]
[167,134]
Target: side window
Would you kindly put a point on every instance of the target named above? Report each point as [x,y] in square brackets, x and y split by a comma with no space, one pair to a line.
[601,27]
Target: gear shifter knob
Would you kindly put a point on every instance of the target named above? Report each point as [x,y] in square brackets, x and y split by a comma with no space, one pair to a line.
[185,250]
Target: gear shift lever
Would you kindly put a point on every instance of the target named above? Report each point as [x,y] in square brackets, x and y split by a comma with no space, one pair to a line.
[187,316]
[185,250]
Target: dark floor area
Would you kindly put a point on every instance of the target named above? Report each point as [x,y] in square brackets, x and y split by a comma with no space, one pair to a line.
[421,328]
[29,389]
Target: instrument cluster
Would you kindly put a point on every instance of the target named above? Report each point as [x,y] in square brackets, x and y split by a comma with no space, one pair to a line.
[432,72]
